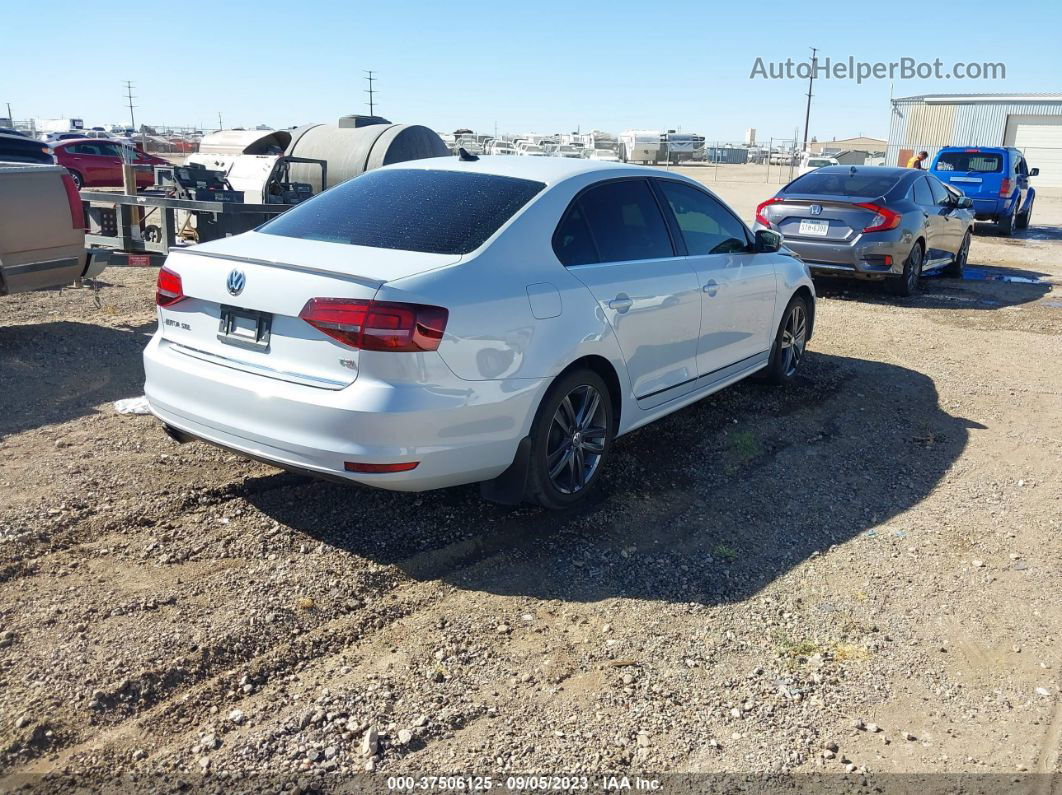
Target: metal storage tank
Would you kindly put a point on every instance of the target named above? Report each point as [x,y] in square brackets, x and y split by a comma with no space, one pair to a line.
[357,144]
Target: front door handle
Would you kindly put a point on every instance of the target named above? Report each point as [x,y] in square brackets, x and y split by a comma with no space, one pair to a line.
[711,287]
[621,303]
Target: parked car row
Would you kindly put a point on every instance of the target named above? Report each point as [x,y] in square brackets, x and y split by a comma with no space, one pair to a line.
[895,224]
[96,163]
[92,162]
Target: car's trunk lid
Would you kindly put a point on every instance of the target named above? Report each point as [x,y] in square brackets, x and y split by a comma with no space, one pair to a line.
[244,296]
[826,219]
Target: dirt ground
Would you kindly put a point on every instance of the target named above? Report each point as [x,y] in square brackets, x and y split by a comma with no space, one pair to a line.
[858,575]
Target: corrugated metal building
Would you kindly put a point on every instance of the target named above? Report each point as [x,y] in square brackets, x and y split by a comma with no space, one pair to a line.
[1030,122]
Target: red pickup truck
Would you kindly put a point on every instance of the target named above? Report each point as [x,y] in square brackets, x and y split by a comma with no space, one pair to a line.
[96,163]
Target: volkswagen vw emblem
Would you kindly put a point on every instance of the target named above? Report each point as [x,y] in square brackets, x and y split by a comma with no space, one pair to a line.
[816,209]
[236,282]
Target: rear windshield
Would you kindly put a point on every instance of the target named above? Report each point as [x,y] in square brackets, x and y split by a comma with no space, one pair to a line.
[843,183]
[979,162]
[437,212]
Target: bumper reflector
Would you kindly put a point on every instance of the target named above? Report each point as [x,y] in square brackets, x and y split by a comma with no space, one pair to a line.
[376,469]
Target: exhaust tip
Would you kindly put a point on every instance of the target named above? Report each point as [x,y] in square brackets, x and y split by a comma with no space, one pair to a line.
[178,436]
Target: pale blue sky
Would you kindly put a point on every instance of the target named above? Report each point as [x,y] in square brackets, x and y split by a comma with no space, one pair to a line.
[545,67]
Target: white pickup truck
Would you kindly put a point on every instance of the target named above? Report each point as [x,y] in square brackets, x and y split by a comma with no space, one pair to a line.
[42,228]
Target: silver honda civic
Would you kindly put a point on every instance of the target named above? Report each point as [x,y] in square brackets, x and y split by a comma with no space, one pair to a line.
[872,222]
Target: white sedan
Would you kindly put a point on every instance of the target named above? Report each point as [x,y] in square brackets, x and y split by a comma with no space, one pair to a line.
[460,320]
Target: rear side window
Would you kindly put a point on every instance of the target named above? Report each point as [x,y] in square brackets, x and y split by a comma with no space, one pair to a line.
[707,226]
[625,221]
[920,193]
[843,183]
[977,162]
[437,212]
[572,242]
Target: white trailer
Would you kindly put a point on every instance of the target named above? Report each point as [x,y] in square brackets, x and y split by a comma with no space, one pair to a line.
[639,146]
[59,125]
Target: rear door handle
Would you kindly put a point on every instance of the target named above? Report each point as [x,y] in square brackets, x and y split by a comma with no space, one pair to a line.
[620,303]
[711,287]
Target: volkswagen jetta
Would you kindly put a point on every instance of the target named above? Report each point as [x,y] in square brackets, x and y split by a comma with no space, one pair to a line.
[450,321]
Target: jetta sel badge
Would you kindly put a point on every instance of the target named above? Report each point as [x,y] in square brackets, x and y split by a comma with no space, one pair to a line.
[236,282]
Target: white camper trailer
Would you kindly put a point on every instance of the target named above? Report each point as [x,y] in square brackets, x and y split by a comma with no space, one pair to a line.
[639,146]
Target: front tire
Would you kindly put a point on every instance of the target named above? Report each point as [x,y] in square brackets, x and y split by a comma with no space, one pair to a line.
[790,342]
[571,440]
[907,283]
[957,265]
[79,181]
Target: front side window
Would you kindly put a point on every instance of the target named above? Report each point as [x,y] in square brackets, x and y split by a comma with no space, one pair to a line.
[707,226]
[940,196]
[625,221]
[437,212]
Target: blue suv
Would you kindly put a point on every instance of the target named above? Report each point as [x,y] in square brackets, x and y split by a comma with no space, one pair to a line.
[996,178]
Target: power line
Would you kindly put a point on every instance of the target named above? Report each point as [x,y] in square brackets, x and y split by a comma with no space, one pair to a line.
[370,75]
[129,97]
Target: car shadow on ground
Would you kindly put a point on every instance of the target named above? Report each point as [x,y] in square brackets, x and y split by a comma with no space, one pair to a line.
[55,372]
[1030,233]
[707,505]
[982,287]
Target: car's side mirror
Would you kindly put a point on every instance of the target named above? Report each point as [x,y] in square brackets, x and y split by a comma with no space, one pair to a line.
[964,202]
[1034,172]
[767,241]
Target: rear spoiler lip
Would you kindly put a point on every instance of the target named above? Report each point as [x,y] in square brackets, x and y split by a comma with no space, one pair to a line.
[811,199]
[848,201]
[350,277]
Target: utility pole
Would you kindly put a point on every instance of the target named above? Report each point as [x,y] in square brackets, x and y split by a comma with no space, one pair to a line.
[807,113]
[220,125]
[370,75]
[129,98]
[10,118]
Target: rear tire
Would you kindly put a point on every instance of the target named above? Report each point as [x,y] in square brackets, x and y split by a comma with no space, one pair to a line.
[1023,219]
[790,343]
[957,265]
[1005,226]
[907,284]
[571,440]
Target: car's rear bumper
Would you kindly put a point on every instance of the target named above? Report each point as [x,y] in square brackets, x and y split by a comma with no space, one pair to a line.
[868,256]
[460,432]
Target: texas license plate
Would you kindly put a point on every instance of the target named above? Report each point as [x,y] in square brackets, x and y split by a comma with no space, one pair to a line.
[245,328]
[816,228]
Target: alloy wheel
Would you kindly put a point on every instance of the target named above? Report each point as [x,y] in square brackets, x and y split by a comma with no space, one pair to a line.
[575,442]
[794,338]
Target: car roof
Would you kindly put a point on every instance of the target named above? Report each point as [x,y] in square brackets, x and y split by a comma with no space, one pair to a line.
[975,149]
[549,170]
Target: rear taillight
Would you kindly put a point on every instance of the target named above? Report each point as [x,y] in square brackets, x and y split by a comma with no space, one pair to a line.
[760,217]
[73,198]
[168,290]
[1004,187]
[884,218]
[377,325]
